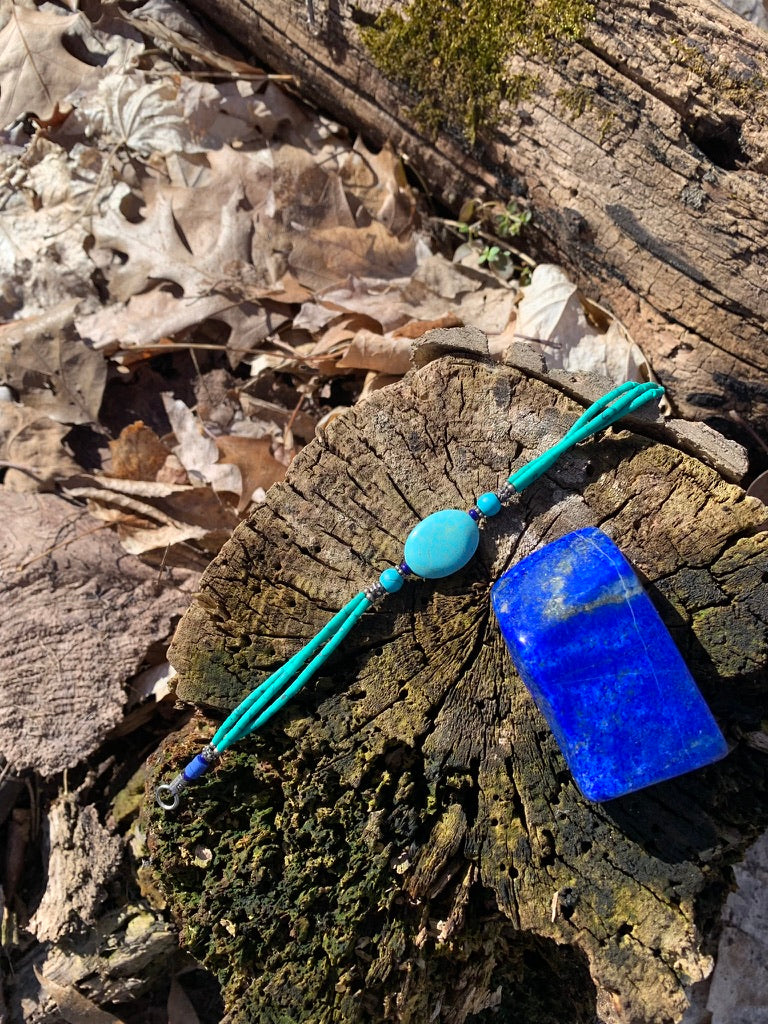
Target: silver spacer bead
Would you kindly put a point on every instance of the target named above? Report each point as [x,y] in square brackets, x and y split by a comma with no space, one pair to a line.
[506,492]
[375,592]
[209,753]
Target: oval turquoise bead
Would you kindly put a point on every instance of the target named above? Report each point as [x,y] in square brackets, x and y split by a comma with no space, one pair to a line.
[391,580]
[441,544]
[489,504]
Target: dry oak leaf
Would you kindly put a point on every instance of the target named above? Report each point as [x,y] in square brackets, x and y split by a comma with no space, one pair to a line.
[385,353]
[50,368]
[38,71]
[33,442]
[184,236]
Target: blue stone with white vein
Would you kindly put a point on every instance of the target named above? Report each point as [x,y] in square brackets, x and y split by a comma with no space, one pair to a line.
[602,667]
[441,544]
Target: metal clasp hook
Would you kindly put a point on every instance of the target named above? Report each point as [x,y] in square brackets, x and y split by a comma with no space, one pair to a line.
[167,794]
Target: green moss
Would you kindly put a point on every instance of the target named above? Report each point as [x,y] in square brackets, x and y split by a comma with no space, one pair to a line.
[576,101]
[455,56]
[743,87]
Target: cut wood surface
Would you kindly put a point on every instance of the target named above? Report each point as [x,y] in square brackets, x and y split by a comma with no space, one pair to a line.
[643,153]
[406,843]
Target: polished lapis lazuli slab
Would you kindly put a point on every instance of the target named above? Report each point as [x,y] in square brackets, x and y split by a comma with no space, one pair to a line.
[602,667]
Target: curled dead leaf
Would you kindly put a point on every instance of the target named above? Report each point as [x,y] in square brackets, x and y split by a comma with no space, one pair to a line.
[576,334]
[385,353]
[38,69]
[416,328]
[74,1007]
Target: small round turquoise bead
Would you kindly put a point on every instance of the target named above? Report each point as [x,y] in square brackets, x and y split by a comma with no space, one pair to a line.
[391,580]
[441,544]
[488,504]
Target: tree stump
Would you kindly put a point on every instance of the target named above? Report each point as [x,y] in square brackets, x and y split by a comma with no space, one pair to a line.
[404,842]
[642,151]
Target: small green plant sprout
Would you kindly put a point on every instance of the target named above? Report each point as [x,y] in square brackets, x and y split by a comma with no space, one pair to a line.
[485,227]
[512,220]
[489,255]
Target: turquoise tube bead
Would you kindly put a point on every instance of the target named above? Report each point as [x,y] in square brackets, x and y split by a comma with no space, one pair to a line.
[391,580]
[489,504]
[441,544]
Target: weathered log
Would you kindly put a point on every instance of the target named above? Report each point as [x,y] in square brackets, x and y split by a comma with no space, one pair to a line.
[406,843]
[80,616]
[643,152]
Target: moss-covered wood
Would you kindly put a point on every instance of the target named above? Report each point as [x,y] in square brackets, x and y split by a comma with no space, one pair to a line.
[641,146]
[405,843]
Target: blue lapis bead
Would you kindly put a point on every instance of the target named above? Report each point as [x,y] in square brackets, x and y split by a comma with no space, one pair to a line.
[602,667]
[197,767]
[488,504]
[391,580]
[441,544]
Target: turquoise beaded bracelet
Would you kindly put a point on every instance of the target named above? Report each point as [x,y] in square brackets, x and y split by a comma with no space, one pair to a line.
[436,547]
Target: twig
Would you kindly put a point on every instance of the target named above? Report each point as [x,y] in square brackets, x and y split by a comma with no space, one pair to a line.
[61,544]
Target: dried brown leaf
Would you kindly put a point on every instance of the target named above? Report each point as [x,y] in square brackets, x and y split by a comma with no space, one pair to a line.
[38,70]
[74,1007]
[385,353]
[33,442]
[138,453]
[151,516]
[378,182]
[50,368]
[416,328]
[253,457]
[172,243]
[323,258]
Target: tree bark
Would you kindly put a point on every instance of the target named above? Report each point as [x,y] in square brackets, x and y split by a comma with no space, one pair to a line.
[406,844]
[643,153]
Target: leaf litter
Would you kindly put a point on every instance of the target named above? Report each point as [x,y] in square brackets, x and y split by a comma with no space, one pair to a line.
[186,210]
